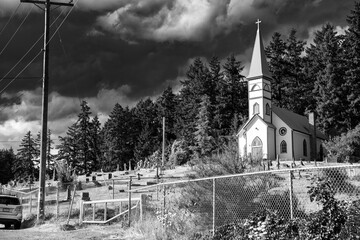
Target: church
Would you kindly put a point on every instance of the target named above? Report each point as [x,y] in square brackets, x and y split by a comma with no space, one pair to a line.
[272,132]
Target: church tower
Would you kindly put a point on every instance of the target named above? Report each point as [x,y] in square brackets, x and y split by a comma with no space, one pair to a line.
[259,85]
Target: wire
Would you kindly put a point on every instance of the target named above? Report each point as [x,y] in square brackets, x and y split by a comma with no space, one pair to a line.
[39,52]
[12,16]
[22,58]
[27,15]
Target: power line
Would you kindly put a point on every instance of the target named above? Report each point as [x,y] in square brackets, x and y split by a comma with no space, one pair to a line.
[7,44]
[12,16]
[22,58]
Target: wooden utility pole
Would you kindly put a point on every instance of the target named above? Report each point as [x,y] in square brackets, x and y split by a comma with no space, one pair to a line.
[45,92]
[163,145]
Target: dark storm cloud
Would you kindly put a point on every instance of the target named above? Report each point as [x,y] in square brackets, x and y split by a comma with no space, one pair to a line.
[110,51]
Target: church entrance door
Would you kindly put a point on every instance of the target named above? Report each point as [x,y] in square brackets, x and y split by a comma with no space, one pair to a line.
[256,149]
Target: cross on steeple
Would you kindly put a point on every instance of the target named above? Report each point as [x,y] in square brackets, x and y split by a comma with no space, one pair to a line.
[258,23]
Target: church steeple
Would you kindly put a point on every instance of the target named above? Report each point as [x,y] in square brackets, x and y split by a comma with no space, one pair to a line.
[259,81]
[258,65]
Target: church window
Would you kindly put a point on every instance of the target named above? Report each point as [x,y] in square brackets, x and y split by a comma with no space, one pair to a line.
[256,108]
[283,147]
[255,87]
[304,148]
[267,109]
[267,87]
[282,131]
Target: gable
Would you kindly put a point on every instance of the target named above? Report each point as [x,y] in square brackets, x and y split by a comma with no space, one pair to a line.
[249,123]
[296,121]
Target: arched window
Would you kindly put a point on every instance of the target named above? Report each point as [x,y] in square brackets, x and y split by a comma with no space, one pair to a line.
[256,142]
[255,108]
[267,87]
[255,87]
[304,148]
[256,148]
[283,147]
[267,109]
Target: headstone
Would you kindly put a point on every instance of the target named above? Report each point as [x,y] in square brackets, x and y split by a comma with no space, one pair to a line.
[85,196]
[110,176]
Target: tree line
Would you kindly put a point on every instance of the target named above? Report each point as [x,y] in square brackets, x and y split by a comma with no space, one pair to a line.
[206,113]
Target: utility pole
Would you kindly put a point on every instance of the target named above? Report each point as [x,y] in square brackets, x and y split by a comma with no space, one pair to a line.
[45,92]
[163,145]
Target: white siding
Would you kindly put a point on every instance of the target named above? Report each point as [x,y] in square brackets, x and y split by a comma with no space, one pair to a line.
[298,145]
[278,123]
[257,129]
[271,143]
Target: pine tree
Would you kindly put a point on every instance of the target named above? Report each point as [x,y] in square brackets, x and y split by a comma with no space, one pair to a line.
[120,133]
[148,140]
[232,99]
[166,105]
[277,66]
[7,160]
[351,47]
[202,135]
[324,60]
[26,158]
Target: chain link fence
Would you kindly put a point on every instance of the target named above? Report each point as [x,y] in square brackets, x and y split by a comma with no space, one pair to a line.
[205,204]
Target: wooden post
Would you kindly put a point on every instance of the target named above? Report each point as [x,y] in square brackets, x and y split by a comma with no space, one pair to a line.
[57,200]
[129,212]
[94,211]
[105,212]
[142,206]
[30,202]
[72,202]
[81,216]
[113,188]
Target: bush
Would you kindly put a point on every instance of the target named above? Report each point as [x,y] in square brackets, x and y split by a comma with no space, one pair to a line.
[327,223]
[65,173]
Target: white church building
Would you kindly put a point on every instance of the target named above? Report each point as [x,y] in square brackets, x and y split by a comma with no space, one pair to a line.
[270,131]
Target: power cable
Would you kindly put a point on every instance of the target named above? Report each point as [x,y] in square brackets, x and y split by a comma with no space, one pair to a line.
[12,16]
[22,58]
[27,15]
[67,15]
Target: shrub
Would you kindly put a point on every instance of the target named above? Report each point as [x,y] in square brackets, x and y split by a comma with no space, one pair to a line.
[65,173]
[327,223]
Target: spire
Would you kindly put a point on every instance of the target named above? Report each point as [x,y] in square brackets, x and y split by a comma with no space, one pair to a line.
[258,65]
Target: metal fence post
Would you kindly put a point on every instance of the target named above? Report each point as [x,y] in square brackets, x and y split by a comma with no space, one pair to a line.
[291,194]
[214,207]
[129,212]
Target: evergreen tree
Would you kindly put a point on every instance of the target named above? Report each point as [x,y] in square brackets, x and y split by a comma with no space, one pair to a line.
[148,140]
[351,47]
[120,133]
[324,59]
[232,100]
[277,66]
[7,160]
[166,104]
[190,98]
[26,158]
[203,136]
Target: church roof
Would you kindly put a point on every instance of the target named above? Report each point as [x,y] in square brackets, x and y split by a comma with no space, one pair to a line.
[296,121]
[258,65]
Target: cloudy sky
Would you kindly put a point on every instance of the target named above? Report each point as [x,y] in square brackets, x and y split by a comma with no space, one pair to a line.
[119,51]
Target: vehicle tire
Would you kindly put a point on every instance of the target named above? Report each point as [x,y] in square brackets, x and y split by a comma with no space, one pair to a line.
[7,225]
[17,225]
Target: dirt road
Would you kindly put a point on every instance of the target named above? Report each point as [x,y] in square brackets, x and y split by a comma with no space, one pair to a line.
[53,231]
